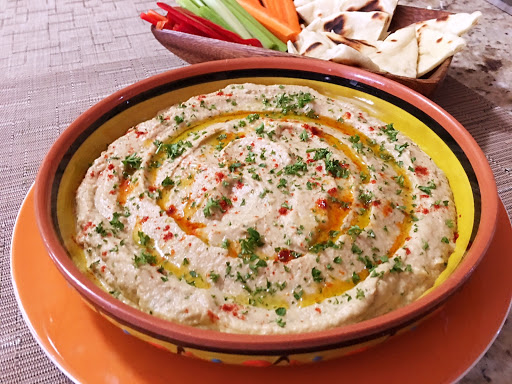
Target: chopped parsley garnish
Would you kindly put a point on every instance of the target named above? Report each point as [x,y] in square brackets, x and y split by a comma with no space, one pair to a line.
[250,243]
[132,161]
[428,189]
[99,229]
[143,238]
[294,169]
[390,132]
[281,311]
[115,221]
[214,276]
[144,258]
[317,275]
[211,204]
[167,182]
[354,231]
[234,166]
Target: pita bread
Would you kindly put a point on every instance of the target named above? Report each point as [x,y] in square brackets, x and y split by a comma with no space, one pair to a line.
[457,24]
[398,54]
[344,54]
[362,46]
[369,26]
[310,11]
[387,6]
[434,47]
[312,44]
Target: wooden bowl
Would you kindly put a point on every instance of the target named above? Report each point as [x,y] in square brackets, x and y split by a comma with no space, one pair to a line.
[197,49]
[439,134]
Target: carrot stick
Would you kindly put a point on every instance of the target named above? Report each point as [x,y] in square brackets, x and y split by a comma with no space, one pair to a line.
[282,31]
[272,8]
[289,14]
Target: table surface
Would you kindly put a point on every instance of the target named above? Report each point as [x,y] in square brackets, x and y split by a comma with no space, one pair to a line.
[59,57]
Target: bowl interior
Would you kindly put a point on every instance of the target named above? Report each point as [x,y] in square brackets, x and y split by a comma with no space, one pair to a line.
[421,128]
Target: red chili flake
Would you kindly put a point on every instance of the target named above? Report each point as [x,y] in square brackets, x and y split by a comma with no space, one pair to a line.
[167,227]
[283,210]
[312,129]
[425,211]
[455,236]
[275,165]
[321,203]
[224,205]
[376,203]
[332,191]
[201,97]
[92,174]
[421,171]
[319,168]
[139,134]
[113,192]
[204,189]
[220,93]
[437,206]
[110,167]
[424,196]
[347,115]
[110,176]
[186,310]
[373,181]
[309,161]
[284,255]
[168,236]
[213,317]
[146,218]
[152,188]
[234,198]
[219,176]
[103,267]
[228,307]
[239,184]
[407,251]
[319,310]
[371,129]
[87,226]
[104,253]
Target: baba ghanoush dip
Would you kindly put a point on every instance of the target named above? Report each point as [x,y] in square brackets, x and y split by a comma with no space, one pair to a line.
[265,209]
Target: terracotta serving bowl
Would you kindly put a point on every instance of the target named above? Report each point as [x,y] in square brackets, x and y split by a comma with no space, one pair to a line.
[437,133]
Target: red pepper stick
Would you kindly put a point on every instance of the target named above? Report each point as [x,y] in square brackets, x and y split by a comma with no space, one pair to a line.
[173,13]
[151,19]
[230,36]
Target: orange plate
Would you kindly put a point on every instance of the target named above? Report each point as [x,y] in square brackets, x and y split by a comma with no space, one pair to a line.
[88,349]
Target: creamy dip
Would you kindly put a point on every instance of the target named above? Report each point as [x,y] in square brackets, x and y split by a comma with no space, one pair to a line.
[265,209]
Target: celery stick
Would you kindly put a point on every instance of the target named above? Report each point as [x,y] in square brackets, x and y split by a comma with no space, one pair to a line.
[203,11]
[228,17]
[267,39]
[189,5]
[214,17]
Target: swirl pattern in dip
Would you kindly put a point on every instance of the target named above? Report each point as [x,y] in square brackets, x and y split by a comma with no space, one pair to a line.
[265,209]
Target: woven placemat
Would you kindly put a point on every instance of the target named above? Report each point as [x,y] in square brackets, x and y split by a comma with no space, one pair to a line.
[59,58]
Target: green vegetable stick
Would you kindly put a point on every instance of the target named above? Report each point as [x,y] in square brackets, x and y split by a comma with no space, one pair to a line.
[204,12]
[267,39]
[228,17]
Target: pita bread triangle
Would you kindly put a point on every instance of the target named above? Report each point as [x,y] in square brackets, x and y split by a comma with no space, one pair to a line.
[457,24]
[369,26]
[398,54]
[434,47]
